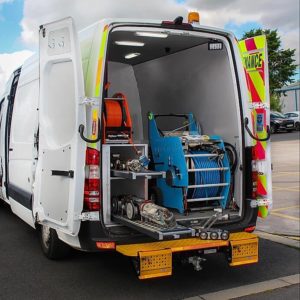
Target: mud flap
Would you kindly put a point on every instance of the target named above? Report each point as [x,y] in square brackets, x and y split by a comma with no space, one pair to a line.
[244,251]
[154,264]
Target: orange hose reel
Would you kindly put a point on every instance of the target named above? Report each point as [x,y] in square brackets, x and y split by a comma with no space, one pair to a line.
[116,117]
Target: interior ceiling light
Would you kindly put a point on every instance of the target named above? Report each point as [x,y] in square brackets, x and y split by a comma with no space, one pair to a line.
[131,55]
[152,34]
[129,43]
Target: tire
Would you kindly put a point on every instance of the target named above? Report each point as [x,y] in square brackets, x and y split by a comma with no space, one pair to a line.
[156,195]
[52,246]
[273,128]
[290,130]
[297,126]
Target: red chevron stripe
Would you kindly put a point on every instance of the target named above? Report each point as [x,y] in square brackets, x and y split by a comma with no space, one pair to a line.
[254,95]
[250,44]
[261,189]
[262,71]
[260,151]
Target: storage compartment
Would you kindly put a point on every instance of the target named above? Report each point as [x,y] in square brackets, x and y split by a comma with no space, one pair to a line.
[184,111]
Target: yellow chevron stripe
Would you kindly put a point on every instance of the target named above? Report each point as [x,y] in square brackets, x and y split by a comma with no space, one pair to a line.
[263,210]
[260,41]
[243,48]
[100,60]
[263,180]
[258,84]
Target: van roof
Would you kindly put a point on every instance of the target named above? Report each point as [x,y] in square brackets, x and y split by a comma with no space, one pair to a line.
[149,22]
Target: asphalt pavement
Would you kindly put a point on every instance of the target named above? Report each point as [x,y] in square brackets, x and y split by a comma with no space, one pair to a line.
[284,218]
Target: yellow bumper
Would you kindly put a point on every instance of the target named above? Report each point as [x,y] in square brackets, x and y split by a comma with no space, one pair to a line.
[155,259]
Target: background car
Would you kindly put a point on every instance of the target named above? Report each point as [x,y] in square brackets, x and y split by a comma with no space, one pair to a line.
[280,122]
[294,115]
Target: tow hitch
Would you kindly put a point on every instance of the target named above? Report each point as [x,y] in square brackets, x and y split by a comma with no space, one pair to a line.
[196,262]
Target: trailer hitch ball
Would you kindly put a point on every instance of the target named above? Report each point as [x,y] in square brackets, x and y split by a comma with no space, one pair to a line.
[196,262]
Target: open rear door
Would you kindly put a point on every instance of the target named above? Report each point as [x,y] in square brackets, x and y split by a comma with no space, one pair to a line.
[255,62]
[60,174]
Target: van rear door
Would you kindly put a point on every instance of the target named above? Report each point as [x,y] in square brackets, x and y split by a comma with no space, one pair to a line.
[255,62]
[60,171]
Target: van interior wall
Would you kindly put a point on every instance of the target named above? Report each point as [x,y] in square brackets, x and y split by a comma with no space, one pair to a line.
[194,80]
[122,80]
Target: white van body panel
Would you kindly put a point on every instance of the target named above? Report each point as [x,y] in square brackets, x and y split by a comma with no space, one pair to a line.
[58,198]
[22,138]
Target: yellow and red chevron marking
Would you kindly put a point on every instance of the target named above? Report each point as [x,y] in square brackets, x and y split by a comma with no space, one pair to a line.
[100,60]
[253,59]
[262,184]
[263,211]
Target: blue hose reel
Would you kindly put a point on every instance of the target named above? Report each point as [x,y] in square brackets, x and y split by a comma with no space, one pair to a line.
[197,167]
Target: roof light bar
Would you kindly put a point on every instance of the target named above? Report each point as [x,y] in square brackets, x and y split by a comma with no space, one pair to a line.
[131,55]
[129,43]
[152,34]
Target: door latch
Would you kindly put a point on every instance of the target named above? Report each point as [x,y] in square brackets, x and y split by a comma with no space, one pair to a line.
[69,173]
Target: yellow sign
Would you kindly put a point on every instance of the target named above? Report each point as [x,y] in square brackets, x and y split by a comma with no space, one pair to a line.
[253,61]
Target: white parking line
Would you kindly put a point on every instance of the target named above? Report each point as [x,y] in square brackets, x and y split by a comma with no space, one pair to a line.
[250,289]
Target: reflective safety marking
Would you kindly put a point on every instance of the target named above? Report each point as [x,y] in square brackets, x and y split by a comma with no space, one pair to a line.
[262,184]
[253,55]
[100,61]
[95,121]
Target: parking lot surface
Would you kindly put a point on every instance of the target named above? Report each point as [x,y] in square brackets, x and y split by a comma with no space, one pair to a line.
[284,218]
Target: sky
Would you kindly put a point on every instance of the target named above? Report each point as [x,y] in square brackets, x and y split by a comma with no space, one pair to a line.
[20,19]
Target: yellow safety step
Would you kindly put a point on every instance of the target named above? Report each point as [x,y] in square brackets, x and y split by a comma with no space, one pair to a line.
[174,245]
[155,259]
[182,244]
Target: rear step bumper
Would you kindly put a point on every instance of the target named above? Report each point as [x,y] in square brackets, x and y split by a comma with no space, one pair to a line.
[155,259]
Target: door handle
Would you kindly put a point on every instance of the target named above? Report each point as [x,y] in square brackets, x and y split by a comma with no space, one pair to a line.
[10,149]
[81,129]
[69,173]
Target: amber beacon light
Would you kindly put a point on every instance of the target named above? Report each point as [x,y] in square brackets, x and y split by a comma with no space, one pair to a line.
[194,17]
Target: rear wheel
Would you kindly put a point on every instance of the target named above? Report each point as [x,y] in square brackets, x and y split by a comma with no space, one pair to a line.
[51,245]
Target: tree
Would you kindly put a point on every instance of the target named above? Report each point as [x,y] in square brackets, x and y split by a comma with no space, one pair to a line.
[282,65]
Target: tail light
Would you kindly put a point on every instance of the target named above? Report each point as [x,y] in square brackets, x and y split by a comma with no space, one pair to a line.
[92,180]
[250,229]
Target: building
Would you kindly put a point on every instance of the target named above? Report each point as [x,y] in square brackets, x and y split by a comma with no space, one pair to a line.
[290,97]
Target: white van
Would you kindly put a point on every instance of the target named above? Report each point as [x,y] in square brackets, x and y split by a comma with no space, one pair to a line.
[148,138]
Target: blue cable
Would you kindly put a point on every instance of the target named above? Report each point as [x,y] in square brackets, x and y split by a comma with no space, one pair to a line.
[206,177]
